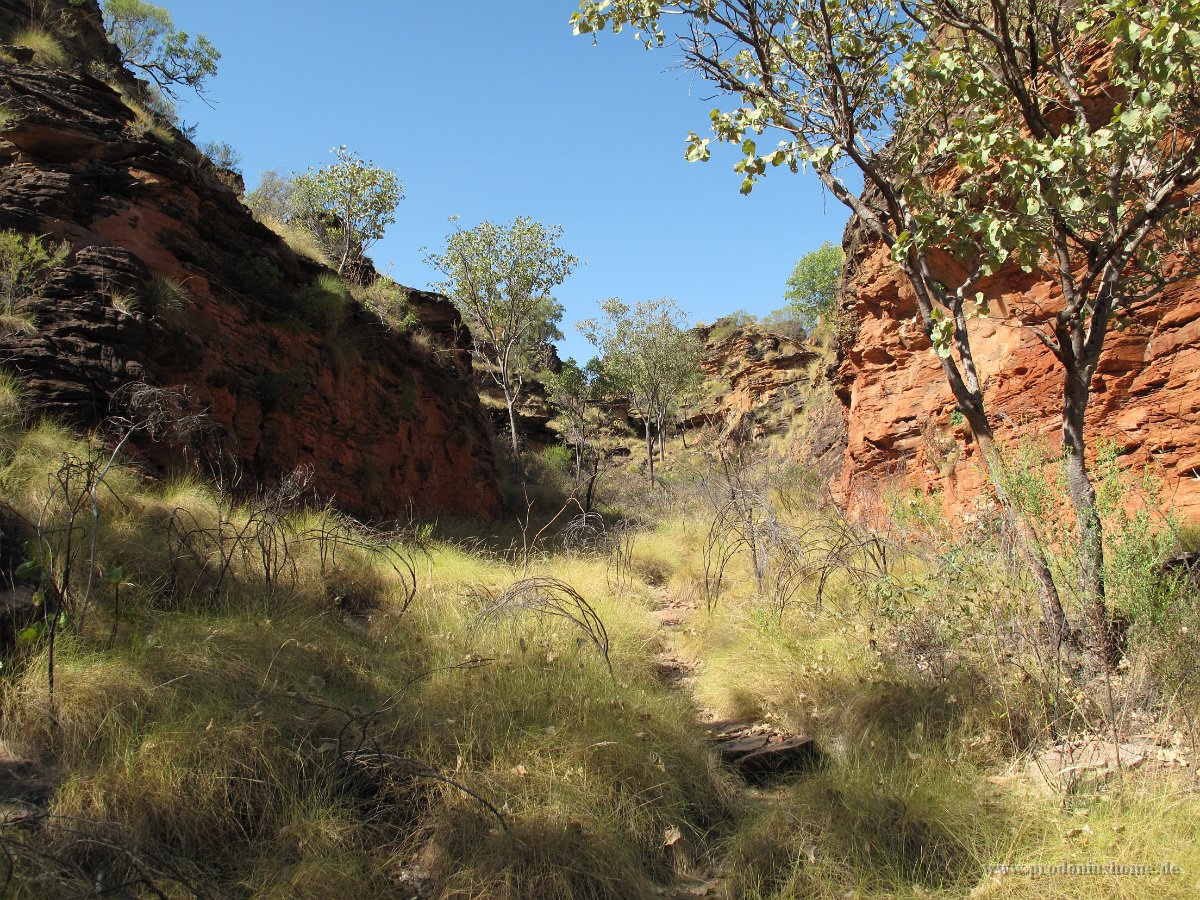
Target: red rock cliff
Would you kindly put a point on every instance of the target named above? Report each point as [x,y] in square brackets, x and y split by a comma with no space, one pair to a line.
[388,422]
[1146,393]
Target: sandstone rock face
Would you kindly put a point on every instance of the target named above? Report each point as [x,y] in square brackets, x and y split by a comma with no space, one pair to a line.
[760,384]
[900,417]
[388,423]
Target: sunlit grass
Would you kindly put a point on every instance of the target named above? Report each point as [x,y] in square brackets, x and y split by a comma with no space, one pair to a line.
[220,730]
[47,51]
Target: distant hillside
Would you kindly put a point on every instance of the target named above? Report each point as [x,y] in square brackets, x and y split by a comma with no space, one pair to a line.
[762,384]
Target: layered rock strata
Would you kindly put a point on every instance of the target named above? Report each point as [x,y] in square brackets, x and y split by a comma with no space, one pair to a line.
[903,432]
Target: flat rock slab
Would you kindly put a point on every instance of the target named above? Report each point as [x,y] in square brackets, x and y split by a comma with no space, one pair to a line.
[1090,762]
[759,754]
[23,786]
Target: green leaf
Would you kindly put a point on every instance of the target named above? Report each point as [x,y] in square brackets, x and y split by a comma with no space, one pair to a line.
[28,570]
[115,575]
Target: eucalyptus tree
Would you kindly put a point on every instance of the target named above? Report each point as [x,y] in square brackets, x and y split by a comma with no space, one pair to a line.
[347,204]
[648,357]
[148,41]
[500,277]
[813,285]
[574,392]
[1059,136]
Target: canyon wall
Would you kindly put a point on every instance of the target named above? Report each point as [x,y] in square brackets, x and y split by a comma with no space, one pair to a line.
[903,432]
[171,281]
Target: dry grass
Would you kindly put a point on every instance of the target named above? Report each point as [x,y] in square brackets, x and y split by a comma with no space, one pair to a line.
[314,728]
[300,239]
[47,51]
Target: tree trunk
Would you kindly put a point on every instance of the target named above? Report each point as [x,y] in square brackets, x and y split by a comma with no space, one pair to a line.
[511,402]
[649,451]
[587,500]
[1087,515]
[1058,627]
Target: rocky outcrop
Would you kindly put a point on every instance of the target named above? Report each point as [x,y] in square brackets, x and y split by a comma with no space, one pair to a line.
[171,281]
[902,426]
[760,383]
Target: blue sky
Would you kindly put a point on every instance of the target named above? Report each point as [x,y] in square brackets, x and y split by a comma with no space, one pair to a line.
[492,110]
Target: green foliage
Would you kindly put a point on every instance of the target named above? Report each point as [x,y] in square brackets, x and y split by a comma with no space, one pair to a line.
[348,203]
[727,326]
[1138,534]
[225,159]
[647,354]
[812,287]
[146,36]
[784,322]
[323,303]
[558,459]
[500,278]
[1063,163]
[272,199]
[25,260]
[574,392]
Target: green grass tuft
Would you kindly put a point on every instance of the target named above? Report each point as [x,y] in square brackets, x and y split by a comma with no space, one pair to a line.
[47,51]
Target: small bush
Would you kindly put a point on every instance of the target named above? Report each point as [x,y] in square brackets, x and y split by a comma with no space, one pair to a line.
[559,459]
[222,155]
[323,303]
[147,122]
[46,50]
[389,301]
[24,262]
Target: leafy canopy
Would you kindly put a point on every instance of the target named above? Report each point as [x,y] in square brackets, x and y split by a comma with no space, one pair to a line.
[348,204]
[146,36]
[575,390]
[501,279]
[1060,137]
[812,287]
[1069,154]
[646,353]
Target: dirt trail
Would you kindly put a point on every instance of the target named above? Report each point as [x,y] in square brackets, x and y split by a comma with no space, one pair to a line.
[754,751]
